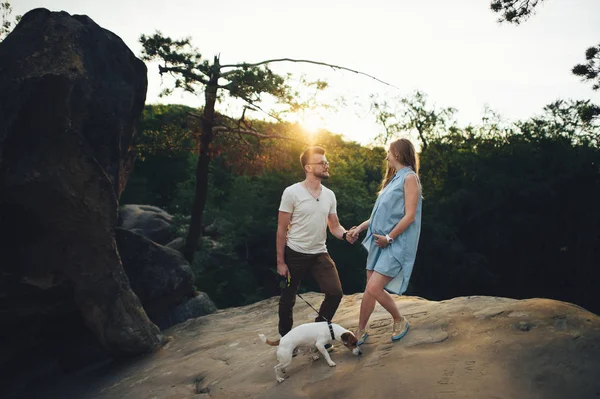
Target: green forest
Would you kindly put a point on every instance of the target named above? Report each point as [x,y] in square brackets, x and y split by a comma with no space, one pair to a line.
[509,209]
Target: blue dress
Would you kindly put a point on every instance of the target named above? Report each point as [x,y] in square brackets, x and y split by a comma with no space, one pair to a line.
[397,259]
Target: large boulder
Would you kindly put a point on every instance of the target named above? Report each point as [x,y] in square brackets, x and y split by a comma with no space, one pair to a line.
[158,273]
[200,305]
[149,221]
[160,276]
[158,225]
[71,94]
[162,279]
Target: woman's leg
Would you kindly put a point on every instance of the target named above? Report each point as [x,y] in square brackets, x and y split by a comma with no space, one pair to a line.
[374,293]
[386,300]
[367,305]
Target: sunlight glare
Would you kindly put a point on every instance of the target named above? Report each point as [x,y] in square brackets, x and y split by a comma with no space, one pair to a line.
[312,122]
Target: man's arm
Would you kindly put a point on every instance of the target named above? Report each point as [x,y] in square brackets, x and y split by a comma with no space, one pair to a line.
[334,226]
[283,222]
[338,230]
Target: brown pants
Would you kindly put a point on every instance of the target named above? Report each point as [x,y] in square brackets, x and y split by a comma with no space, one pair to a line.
[323,270]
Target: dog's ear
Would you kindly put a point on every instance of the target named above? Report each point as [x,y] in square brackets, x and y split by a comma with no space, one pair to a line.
[349,339]
[346,337]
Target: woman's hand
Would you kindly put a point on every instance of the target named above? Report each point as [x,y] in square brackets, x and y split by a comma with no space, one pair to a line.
[381,241]
[353,233]
[361,227]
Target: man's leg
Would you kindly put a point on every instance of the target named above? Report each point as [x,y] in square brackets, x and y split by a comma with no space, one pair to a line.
[297,264]
[326,275]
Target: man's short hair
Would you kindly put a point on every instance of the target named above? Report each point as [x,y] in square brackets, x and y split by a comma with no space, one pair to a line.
[309,152]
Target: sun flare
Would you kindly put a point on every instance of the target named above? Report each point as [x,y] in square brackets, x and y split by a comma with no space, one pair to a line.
[312,122]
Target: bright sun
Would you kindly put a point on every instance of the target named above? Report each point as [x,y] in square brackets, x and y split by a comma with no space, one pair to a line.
[312,122]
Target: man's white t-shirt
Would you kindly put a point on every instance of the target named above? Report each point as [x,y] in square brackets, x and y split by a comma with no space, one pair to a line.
[308,226]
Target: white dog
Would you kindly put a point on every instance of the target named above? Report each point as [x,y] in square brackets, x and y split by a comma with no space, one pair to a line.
[310,334]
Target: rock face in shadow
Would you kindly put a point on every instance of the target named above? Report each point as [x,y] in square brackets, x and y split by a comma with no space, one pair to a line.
[149,221]
[71,94]
[200,305]
[158,273]
[160,276]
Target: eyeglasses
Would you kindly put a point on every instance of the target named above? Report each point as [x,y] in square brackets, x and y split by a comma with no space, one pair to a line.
[322,163]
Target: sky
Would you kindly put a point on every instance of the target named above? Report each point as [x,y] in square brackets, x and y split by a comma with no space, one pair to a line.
[455,51]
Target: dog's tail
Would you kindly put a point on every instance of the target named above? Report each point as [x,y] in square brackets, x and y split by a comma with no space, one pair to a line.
[268,341]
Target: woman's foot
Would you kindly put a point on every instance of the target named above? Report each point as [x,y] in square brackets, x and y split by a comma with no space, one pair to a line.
[400,329]
[361,336]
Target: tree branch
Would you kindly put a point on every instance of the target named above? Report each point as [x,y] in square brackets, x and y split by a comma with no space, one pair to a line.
[251,132]
[184,72]
[514,11]
[244,65]
[228,86]
[278,119]
[194,115]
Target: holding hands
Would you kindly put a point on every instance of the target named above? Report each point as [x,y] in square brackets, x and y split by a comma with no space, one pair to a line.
[352,234]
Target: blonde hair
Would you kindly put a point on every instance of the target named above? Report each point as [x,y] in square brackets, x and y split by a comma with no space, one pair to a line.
[404,152]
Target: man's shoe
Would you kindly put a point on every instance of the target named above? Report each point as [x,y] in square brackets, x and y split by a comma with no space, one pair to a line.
[362,336]
[400,329]
[329,348]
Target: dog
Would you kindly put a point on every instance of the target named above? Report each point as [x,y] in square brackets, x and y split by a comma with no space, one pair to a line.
[309,334]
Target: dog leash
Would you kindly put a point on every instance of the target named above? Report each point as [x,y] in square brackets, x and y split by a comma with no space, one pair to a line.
[284,283]
[319,314]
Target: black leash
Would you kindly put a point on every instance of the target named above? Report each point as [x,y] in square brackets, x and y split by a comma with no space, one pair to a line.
[284,283]
[318,314]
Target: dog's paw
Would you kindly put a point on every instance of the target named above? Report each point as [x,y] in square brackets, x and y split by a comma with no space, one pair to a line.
[280,379]
[316,357]
[331,364]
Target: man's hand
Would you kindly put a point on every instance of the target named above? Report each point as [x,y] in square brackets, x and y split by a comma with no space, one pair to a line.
[351,237]
[283,271]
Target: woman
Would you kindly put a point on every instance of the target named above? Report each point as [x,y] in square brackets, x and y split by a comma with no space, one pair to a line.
[392,237]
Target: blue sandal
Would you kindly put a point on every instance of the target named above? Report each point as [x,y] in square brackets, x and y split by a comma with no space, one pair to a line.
[400,329]
[363,337]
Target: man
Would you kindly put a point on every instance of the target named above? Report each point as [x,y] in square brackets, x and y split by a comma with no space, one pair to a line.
[306,209]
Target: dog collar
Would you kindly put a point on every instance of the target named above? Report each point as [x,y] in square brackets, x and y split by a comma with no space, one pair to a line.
[330,330]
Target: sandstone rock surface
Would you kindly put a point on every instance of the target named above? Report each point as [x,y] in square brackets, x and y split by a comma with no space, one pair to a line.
[468,347]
